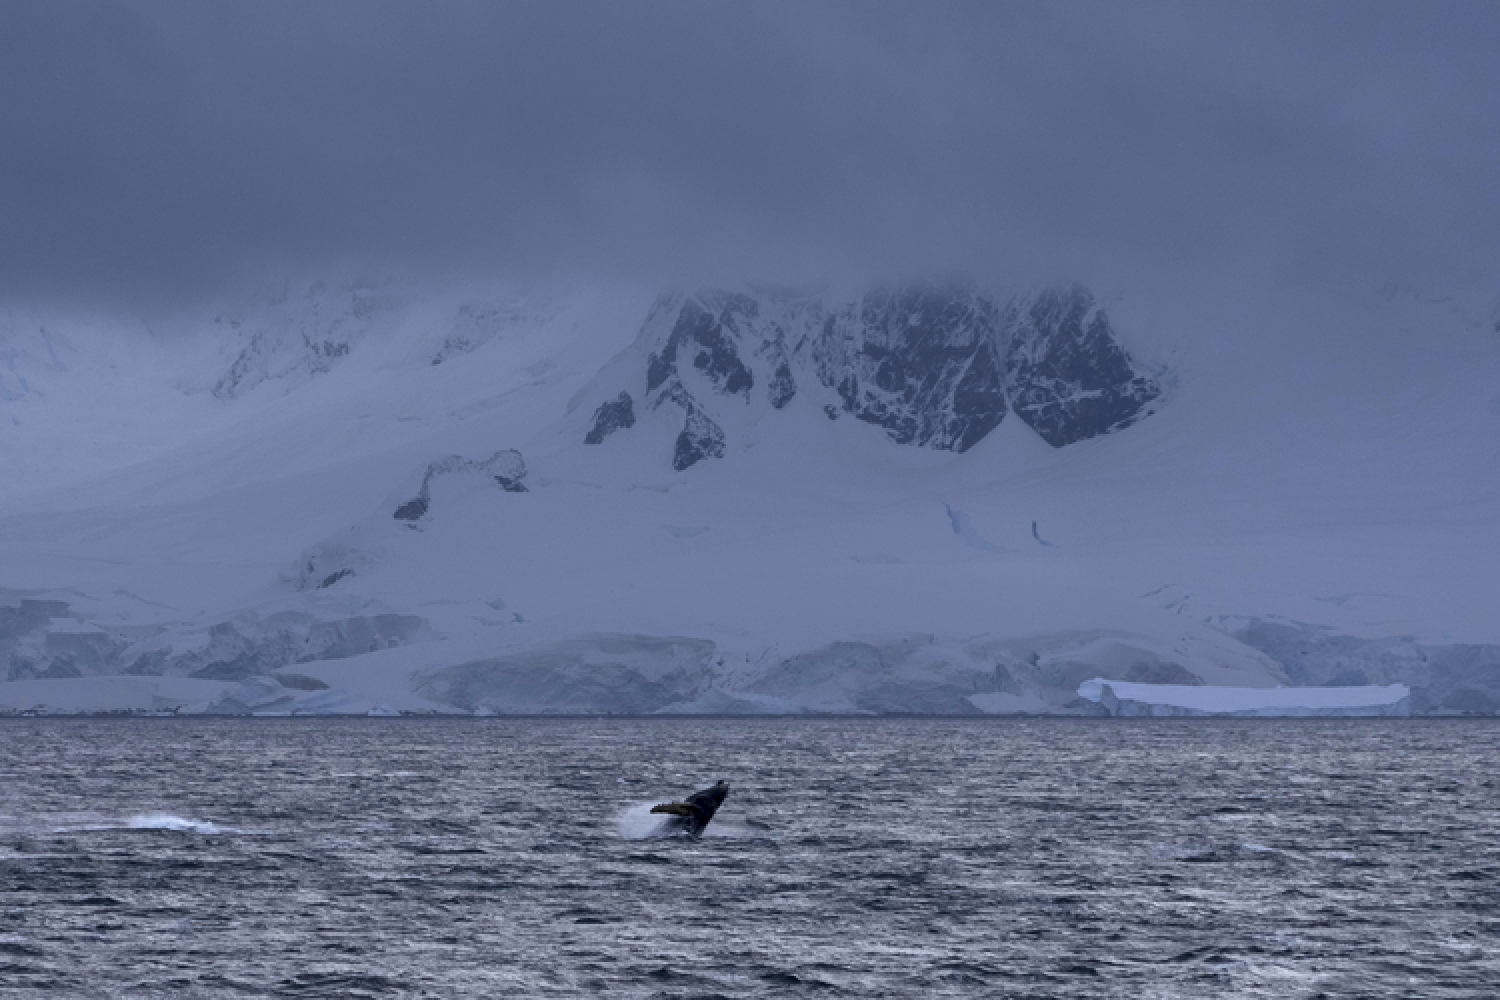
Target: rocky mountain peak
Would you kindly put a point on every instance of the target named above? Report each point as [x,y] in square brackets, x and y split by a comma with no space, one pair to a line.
[938,366]
[1069,377]
[920,361]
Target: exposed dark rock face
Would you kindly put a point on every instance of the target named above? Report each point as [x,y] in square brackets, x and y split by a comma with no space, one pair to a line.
[781,384]
[936,366]
[615,415]
[919,362]
[781,387]
[413,510]
[700,438]
[507,468]
[1069,378]
[332,578]
[978,403]
[705,330]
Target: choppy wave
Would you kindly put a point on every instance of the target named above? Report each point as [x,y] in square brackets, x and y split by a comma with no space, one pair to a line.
[1057,859]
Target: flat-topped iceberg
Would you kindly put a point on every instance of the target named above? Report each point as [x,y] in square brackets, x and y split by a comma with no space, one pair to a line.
[1131,698]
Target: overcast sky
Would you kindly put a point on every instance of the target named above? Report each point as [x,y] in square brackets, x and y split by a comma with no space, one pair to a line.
[169,150]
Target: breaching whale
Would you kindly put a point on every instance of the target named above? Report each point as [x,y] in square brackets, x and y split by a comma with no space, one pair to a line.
[693,814]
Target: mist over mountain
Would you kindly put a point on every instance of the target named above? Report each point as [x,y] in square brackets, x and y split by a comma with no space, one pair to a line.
[704,357]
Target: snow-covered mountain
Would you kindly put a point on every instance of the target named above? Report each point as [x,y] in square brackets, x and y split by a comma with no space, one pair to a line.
[933,498]
[934,366]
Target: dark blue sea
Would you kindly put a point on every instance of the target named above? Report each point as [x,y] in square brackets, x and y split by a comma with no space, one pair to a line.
[854,858]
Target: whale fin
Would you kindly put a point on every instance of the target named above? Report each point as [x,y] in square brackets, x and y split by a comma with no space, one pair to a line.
[675,808]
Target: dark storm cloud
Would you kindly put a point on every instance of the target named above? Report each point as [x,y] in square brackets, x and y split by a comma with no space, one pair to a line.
[167,149]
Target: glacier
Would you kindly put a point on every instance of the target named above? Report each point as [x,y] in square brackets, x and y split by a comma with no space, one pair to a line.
[383,497]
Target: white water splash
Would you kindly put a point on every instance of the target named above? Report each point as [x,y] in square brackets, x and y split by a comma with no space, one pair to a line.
[637,822]
[141,821]
[166,821]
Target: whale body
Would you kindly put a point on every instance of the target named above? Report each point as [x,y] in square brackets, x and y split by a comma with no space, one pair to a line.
[692,814]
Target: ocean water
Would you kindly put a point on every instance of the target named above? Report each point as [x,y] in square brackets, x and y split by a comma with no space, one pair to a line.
[857,858]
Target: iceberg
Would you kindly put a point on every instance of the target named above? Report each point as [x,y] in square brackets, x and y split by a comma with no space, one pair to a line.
[1129,698]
